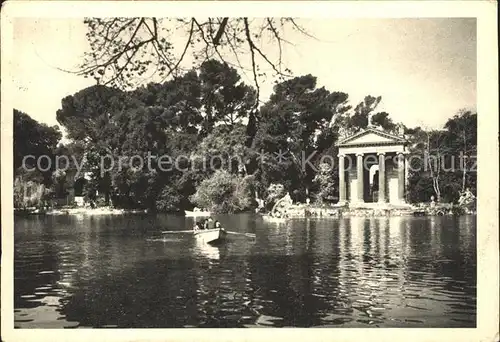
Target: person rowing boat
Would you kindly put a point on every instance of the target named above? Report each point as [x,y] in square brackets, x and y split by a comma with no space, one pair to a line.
[209,231]
[201,225]
[216,232]
[218,225]
[207,224]
[197,226]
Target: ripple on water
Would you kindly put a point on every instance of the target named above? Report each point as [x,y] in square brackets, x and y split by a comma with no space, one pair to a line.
[350,273]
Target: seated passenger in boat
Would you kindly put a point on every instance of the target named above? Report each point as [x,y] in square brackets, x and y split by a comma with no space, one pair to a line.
[211,223]
[205,224]
[197,226]
[218,225]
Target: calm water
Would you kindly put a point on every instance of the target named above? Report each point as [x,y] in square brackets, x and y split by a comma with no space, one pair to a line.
[357,272]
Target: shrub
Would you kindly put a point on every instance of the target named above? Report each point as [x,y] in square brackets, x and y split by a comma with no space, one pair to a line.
[225,193]
[169,200]
[274,192]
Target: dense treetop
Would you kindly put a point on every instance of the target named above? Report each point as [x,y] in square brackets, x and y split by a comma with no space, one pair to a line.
[224,154]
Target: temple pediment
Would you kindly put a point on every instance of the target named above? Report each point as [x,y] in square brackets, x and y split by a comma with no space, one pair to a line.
[372,136]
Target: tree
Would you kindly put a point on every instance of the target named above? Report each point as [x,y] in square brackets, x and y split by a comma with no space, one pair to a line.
[363,116]
[225,98]
[60,183]
[383,120]
[28,188]
[224,148]
[429,145]
[360,118]
[170,199]
[32,138]
[197,113]
[326,181]
[225,193]
[462,138]
[87,114]
[441,169]
[294,130]
[274,192]
[420,183]
[176,103]
[124,50]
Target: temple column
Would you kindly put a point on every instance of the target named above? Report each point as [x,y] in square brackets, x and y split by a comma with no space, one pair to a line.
[342,187]
[401,177]
[360,174]
[381,177]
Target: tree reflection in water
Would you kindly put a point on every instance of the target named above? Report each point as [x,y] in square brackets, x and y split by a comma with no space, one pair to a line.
[350,272]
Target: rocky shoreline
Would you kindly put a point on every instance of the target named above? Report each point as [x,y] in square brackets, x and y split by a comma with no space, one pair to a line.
[307,211]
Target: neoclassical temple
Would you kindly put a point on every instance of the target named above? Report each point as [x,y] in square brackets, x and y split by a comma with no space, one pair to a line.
[373,169]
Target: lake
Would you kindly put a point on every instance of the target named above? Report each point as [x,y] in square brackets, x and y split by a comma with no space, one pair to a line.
[90,271]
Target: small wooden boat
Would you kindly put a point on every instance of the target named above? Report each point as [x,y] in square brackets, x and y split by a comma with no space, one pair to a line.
[210,235]
[270,218]
[196,213]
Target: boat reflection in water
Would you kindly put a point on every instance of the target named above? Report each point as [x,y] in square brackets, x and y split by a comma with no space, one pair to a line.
[208,250]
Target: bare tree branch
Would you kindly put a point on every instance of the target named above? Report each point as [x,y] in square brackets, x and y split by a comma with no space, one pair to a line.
[254,68]
[219,33]
[124,48]
[300,29]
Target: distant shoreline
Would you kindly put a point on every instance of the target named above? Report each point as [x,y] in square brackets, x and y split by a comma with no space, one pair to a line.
[297,211]
[79,211]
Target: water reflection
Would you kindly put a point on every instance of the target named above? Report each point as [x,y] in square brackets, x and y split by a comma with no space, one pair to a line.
[350,272]
[206,250]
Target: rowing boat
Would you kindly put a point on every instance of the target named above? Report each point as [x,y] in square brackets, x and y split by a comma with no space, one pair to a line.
[270,218]
[209,235]
[196,213]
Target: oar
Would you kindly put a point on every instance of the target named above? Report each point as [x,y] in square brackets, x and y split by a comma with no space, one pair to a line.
[176,231]
[245,234]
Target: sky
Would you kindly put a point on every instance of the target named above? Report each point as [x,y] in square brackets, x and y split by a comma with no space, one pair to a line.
[424,69]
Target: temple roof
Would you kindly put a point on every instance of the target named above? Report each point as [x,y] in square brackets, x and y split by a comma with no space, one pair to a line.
[372,136]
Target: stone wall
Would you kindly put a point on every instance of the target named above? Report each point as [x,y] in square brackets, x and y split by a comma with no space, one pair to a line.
[303,211]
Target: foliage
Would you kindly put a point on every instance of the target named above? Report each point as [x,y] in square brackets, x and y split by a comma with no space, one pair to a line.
[224,148]
[295,130]
[360,118]
[169,199]
[364,115]
[327,183]
[224,97]
[273,193]
[462,138]
[441,169]
[28,193]
[224,193]
[60,183]
[89,114]
[225,154]
[159,119]
[33,175]
[382,120]
[32,138]
[18,191]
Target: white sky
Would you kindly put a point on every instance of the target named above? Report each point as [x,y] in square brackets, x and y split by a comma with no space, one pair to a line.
[424,69]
